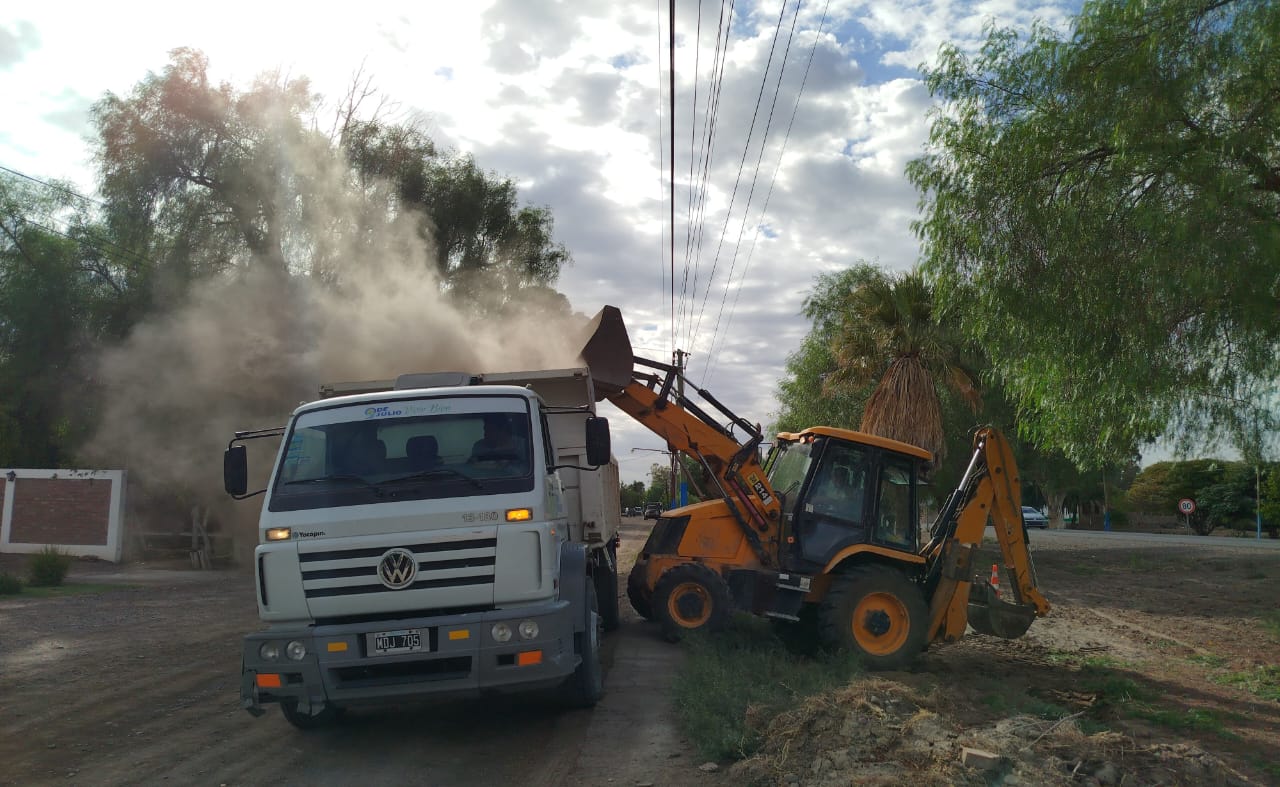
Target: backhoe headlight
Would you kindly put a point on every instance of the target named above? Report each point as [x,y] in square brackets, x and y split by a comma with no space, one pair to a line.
[501,632]
[528,629]
[269,651]
[296,650]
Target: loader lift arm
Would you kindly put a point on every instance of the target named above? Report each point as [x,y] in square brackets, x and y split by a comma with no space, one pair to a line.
[989,490]
[655,398]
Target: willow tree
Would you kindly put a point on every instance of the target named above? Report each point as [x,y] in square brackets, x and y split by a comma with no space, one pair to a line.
[891,335]
[1103,212]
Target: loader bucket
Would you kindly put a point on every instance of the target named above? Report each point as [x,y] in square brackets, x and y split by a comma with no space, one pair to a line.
[991,615]
[606,351]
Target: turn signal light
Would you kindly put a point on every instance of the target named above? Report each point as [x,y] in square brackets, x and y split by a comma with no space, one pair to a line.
[278,533]
[270,680]
[528,658]
[519,514]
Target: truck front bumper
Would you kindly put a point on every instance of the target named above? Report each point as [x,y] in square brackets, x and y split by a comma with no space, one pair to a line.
[459,654]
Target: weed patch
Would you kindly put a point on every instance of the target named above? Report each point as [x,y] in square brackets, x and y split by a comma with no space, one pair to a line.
[1271,623]
[1262,681]
[9,585]
[1191,719]
[746,673]
[1208,660]
[48,568]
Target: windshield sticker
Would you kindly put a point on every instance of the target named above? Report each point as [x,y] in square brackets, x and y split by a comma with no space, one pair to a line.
[382,412]
[429,409]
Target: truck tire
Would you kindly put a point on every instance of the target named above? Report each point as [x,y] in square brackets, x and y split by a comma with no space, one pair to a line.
[877,613]
[605,577]
[638,592]
[303,721]
[585,687]
[690,597]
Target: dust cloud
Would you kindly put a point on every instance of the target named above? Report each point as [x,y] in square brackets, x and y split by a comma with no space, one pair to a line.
[245,349]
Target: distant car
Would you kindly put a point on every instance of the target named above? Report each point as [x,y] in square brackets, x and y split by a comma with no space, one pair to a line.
[652,510]
[1034,518]
[635,510]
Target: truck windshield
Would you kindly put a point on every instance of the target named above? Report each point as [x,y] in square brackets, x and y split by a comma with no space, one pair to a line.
[405,450]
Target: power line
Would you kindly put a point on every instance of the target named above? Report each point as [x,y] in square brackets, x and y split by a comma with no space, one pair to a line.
[741,164]
[707,150]
[755,177]
[707,368]
[671,19]
[54,186]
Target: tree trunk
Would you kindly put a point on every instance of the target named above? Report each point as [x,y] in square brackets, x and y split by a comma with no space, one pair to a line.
[1055,501]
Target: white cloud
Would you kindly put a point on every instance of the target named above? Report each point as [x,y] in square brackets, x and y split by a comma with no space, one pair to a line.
[565,98]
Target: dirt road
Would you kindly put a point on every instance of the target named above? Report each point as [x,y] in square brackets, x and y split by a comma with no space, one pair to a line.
[137,683]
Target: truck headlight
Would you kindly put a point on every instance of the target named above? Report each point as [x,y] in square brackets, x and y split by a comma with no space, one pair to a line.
[269,651]
[528,629]
[279,533]
[296,650]
[501,632]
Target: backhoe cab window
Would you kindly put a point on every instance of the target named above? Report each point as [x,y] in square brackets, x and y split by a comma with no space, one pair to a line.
[333,460]
[838,489]
[897,523]
[788,465]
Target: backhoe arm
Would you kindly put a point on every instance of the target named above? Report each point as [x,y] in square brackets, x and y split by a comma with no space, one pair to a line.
[989,491]
[733,466]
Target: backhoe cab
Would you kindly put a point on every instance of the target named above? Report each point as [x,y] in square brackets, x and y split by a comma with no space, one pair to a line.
[825,532]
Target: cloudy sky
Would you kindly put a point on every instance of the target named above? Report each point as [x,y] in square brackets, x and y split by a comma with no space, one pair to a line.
[570,99]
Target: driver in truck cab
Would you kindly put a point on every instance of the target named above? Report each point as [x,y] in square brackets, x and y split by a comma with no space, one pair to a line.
[499,441]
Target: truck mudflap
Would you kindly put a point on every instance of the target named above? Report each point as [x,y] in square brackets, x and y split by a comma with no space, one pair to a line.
[356,663]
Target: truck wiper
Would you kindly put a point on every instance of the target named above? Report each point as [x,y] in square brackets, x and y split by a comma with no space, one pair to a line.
[428,474]
[346,477]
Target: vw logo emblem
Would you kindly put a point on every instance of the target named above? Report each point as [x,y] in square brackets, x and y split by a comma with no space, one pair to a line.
[398,568]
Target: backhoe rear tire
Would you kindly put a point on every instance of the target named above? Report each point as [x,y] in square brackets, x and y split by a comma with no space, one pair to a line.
[638,592]
[877,613]
[690,597]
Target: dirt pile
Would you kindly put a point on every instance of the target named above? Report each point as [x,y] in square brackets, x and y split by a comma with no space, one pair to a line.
[880,732]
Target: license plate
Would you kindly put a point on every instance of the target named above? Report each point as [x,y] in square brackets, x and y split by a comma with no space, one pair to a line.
[385,643]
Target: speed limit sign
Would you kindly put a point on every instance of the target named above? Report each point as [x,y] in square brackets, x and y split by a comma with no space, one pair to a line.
[1187,506]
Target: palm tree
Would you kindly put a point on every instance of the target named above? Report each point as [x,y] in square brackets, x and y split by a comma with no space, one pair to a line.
[890,332]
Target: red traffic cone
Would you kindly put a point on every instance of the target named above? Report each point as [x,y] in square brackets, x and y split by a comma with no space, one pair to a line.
[995,579]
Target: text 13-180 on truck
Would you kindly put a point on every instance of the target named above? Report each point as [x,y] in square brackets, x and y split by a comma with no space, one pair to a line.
[435,534]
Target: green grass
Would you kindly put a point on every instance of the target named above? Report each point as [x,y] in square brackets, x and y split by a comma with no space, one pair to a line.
[746,667]
[1085,569]
[1271,623]
[1208,660]
[1262,681]
[9,584]
[68,589]
[1139,563]
[1195,719]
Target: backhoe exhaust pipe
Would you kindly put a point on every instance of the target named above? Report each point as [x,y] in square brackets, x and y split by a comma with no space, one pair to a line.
[606,352]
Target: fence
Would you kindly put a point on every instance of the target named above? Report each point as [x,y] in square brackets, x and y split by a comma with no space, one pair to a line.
[81,512]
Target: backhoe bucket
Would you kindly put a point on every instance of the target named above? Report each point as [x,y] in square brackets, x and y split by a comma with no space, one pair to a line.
[606,352]
[989,614]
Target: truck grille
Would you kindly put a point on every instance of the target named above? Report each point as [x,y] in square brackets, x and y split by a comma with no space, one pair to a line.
[441,564]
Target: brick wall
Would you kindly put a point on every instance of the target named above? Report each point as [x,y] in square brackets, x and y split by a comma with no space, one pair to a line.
[60,511]
[81,512]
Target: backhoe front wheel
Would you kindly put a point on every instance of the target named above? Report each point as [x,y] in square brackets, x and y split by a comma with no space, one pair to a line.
[877,613]
[690,597]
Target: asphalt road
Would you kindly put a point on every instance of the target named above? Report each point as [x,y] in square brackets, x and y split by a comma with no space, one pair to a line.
[1123,540]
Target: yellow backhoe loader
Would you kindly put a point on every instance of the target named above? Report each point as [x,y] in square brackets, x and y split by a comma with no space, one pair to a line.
[826,529]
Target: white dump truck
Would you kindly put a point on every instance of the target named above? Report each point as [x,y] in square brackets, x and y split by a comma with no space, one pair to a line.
[437,533]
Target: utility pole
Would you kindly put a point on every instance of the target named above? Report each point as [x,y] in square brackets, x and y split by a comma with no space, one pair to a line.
[679,491]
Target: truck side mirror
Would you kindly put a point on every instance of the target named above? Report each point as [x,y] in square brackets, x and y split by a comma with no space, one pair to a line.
[598,447]
[235,470]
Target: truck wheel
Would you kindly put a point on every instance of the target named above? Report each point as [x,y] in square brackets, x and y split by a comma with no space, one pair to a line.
[304,721]
[690,597]
[585,686]
[606,582]
[638,592]
[879,614]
